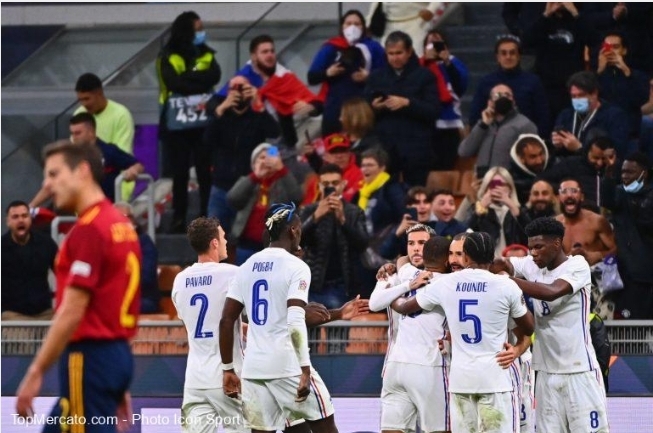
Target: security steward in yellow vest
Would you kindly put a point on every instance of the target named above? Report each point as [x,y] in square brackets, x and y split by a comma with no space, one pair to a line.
[187,72]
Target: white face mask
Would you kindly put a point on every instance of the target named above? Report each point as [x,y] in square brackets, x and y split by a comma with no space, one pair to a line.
[352,34]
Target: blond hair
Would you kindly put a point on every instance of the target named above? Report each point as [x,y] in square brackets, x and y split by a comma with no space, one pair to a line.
[507,177]
[357,117]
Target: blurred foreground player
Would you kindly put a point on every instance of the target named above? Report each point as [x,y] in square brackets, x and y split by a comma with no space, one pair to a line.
[98,284]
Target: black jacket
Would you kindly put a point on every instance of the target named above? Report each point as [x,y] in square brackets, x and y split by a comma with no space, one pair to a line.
[318,237]
[632,217]
[409,130]
[232,138]
[513,229]
[25,287]
[628,93]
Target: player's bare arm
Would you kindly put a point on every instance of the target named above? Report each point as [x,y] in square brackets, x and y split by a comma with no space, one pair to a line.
[511,352]
[403,306]
[65,322]
[230,315]
[544,292]
[502,265]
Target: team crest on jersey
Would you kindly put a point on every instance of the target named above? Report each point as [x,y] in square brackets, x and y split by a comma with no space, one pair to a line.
[302,285]
[80,268]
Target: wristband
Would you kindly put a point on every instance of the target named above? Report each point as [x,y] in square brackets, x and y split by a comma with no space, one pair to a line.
[229,366]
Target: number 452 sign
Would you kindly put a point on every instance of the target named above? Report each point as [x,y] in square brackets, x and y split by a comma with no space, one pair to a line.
[186,112]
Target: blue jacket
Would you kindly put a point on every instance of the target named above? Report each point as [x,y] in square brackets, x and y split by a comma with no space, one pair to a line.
[114,161]
[341,87]
[610,118]
[457,75]
[528,93]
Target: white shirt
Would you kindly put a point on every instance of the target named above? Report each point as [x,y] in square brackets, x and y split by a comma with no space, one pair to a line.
[199,294]
[562,338]
[264,284]
[418,333]
[477,305]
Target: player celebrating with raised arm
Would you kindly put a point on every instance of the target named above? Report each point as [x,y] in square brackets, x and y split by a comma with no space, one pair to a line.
[98,293]
[477,305]
[199,294]
[272,286]
[563,355]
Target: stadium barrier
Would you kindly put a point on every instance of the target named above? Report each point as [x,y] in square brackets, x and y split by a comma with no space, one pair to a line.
[364,335]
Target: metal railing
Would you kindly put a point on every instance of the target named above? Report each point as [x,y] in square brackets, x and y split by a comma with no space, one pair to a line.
[55,229]
[168,337]
[242,34]
[151,229]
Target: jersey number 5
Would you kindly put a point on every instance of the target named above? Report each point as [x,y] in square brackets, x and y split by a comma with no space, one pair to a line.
[133,269]
[464,316]
[259,304]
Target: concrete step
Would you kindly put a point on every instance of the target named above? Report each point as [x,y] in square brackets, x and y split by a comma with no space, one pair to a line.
[174,250]
[483,13]
[473,36]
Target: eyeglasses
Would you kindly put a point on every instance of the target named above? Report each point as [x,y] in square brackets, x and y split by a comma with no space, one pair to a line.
[569,190]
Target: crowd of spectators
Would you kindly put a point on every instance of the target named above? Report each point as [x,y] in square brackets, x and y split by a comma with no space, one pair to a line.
[572,138]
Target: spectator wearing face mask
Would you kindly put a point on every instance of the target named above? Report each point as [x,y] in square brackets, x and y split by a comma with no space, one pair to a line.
[588,112]
[342,66]
[631,204]
[500,126]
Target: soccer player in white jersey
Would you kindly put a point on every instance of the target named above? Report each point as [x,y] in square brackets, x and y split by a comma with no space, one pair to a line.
[569,388]
[417,235]
[477,305]
[272,286]
[198,294]
[416,376]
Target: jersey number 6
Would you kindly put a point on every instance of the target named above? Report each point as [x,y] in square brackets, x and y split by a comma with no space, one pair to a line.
[259,304]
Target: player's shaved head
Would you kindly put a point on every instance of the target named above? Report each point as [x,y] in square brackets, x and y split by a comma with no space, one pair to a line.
[436,251]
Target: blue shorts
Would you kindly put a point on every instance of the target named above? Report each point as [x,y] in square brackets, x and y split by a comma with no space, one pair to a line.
[93,377]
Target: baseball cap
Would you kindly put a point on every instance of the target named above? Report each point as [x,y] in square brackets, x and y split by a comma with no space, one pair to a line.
[335,141]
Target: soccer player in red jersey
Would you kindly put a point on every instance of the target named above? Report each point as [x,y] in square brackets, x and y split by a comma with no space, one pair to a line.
[98,285]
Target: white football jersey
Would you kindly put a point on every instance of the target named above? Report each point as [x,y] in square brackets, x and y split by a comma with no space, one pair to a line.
[418,333]
[264,284]
[199,294]
[393,318]
[477,305]
[562,337]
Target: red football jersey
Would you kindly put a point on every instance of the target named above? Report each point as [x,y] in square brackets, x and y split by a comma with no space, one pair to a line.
[101,254]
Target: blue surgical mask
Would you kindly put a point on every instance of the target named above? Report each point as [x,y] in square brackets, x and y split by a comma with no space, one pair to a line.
[635,186]
[200,38]
[581,105]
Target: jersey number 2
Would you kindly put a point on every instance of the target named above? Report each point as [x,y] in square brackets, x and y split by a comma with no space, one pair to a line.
[133,269]
[464,316]
[200,318]
[259,304]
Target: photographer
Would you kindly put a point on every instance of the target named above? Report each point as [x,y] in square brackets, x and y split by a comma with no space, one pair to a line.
[333,236]
[452,79]
[232,134]
[268,182]
[493,136]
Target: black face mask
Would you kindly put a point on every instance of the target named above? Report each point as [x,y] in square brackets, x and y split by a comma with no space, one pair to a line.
[502,106]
